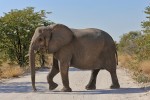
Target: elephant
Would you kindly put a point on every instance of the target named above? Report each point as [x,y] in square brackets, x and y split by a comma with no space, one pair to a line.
[87,49]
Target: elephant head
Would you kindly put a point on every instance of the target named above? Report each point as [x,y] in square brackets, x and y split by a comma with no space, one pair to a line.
[51,38]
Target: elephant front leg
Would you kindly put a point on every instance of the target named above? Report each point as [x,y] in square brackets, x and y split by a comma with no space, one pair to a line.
[92,83]
[54,71]
[64,75]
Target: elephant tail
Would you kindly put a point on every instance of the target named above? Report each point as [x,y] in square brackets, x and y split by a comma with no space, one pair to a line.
[116,57]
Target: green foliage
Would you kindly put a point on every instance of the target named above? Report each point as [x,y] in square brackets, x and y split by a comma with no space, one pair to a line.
[144,41]
[128,44]
[17,28]
[146,24]
[143,47]
[135,43]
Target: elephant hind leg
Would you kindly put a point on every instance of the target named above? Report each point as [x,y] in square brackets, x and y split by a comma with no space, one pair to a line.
[54,71]
[115,83]
[92,83]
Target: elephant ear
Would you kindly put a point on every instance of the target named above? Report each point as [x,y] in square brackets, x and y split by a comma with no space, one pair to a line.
[61,35]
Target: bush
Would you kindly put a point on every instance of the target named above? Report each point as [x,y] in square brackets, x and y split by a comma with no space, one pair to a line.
[140,70]
[141,78]
[128,43]
[143,47]
[145,67]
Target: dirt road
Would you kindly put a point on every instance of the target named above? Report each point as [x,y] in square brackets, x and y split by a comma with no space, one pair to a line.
[20,88]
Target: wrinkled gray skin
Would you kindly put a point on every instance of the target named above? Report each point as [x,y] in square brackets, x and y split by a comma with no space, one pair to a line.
[90,49]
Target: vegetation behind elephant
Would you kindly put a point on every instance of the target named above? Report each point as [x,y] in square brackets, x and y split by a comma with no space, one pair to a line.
[90,49]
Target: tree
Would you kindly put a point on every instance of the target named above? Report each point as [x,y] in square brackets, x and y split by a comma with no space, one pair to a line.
[17,28]
[144,41]
[143,47]
[146,24]
[127,42]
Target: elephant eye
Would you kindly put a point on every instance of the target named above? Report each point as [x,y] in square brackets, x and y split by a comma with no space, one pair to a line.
[40,39]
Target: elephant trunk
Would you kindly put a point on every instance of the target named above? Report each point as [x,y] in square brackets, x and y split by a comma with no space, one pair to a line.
[32,65]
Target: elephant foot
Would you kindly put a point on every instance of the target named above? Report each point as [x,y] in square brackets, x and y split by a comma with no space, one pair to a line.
[34,90]
[90,87]
[52,86]
[64,89]
[115,86]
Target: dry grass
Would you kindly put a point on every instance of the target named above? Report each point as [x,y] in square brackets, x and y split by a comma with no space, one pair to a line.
[140,70]
[145,67]
[8,71]
[128,61]
[124,60]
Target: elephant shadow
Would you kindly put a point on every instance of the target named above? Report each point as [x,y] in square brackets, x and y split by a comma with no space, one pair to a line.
[19,87]
[24,87]
[107,91]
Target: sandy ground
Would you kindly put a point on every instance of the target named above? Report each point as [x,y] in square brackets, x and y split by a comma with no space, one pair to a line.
[20,88]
